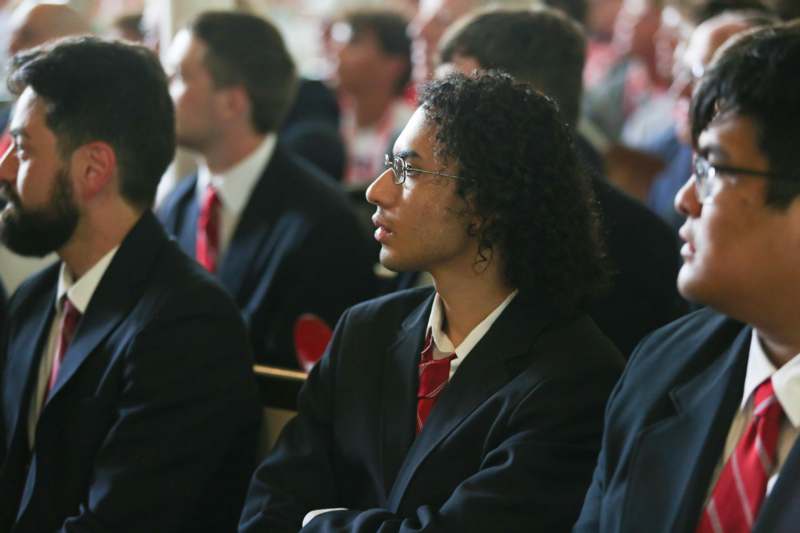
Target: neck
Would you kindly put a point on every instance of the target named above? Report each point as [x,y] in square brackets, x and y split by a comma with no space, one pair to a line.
[781,347]
[98,232]
[230,150]
[468,298]
[370,106]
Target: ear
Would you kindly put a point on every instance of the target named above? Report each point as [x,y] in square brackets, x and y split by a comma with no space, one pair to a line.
[94,165]
[233,101]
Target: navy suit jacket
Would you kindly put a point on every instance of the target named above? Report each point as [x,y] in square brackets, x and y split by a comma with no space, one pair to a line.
[666,426]
[298,248]
[152,424]
[509,446]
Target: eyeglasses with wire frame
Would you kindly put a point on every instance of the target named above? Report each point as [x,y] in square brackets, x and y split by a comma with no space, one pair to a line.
[706,174]
[401,168]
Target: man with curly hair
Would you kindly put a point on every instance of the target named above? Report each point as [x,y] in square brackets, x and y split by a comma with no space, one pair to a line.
[475,405]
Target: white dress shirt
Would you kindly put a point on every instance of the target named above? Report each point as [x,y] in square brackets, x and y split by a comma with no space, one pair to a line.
[786,383]
[234,187]
[443,347]
[80,293]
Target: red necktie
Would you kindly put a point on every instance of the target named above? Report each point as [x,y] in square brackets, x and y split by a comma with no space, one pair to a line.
[433,376]
[741,487]
[69,321]
[207,242]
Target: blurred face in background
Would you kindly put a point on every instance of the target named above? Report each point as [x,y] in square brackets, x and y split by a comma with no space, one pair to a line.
[427,27]
[692,61]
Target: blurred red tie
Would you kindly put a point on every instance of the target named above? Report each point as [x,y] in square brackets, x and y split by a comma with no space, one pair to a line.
[207,242]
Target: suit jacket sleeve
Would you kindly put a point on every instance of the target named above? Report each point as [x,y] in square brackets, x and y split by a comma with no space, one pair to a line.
[534,479]
[182,402]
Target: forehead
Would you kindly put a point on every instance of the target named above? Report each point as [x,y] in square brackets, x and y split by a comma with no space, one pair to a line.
[28,112]
[734,140]
[417,136]
[186,49]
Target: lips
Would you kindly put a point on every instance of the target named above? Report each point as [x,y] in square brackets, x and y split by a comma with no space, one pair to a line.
[382,230]
[687,250]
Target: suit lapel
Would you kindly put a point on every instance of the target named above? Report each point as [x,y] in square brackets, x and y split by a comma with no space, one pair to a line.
[23,358]
[114,297]
[400,392]
[182,221]
[481,374]
[254,227]
[676,456]
[780,511]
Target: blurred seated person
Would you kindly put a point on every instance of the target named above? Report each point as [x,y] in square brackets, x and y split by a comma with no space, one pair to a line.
[279,235]
[674,144]
[373,71]
[475,405]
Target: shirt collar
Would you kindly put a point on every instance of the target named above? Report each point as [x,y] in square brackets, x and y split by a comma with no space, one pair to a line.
[235,184]
[443,342]
[80,291]
[785,380]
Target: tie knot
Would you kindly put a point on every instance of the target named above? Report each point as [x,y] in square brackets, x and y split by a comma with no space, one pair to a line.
[68,307]
[210,197]
[764,398]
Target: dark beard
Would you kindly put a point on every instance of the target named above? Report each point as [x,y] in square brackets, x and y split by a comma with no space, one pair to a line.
[37,232]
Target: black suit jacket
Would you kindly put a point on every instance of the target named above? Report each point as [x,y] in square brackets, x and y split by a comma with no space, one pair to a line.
[297,249]
[666,426]
[509,446]
[2,306]
[643,252]
[153,422]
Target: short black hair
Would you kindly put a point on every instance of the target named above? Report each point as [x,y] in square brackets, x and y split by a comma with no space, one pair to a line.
[522,180]
[248,50]
[390,29]
[699,11]
[539,46]
[110,91]
[756,76]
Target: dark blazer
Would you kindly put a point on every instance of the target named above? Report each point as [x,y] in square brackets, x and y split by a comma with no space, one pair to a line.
[153,422]
[2,306]
[666,426]
[509,446]
[644,258]
[298,248]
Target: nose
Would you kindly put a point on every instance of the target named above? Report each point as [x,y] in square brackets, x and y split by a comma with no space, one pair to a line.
[380,191]
[9,166]
[686,201]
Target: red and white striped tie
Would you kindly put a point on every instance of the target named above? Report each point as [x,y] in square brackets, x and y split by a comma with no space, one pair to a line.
[742,485]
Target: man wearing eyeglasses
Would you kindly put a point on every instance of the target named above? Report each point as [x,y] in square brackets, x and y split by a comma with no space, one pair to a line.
[475,405]
[701,433]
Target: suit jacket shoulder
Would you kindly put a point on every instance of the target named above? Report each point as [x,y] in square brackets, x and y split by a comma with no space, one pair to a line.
[154,413]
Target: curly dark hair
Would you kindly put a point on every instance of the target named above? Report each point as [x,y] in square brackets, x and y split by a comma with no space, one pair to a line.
[523,181]
[756,76]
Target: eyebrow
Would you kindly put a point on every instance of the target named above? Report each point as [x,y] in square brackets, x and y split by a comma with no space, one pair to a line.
[405,154]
